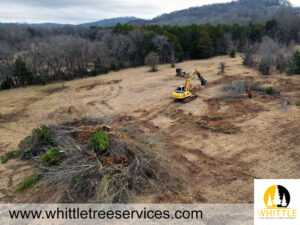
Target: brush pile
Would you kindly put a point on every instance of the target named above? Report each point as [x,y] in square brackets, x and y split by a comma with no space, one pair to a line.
[95,162]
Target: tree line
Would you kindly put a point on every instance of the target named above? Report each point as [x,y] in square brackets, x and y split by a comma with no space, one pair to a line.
[41,55]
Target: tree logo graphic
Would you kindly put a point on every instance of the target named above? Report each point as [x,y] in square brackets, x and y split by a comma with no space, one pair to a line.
[277,196]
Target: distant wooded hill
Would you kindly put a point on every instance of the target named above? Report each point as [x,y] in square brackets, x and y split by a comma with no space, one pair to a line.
[241,12]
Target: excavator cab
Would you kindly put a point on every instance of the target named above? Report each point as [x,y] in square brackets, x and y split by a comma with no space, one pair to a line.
[180,89]
[181,94]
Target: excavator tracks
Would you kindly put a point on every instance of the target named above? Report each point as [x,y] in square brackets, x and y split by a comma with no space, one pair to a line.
[190,98]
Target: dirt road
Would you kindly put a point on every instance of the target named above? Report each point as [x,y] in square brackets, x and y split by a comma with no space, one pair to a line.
[221,143]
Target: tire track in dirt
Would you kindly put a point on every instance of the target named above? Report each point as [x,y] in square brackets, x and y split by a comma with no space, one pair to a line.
[109,95]
[20,111]
[146,116]
[208,171]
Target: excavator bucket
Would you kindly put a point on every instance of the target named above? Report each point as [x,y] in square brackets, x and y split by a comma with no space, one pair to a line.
[203,81]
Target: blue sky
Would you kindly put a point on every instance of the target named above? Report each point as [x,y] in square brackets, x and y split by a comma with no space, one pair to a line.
[80,11]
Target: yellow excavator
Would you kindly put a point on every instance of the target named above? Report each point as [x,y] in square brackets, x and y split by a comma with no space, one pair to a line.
[183,93]
[181,73]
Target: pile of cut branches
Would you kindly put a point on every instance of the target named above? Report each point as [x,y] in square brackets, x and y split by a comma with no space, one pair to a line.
[96,162]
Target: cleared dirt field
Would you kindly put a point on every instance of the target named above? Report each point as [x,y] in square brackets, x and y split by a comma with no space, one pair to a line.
[220,142]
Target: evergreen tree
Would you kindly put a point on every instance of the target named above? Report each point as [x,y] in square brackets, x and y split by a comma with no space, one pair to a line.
[179,54]
[21,73]
[294,65]
[203,48]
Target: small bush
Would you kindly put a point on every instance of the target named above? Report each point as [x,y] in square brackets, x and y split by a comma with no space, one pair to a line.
[220,117]
[298,102]
[117,68]
[125,130]
[28,182]
[35,144]
[190,113]
[10,155]
[94,72]
[99,141]
[45,134]
[269,90]
[172,65]
[51,158]
[38,80]
[294,64]
[221,129]
[7,84]
[264,69]
[232,54]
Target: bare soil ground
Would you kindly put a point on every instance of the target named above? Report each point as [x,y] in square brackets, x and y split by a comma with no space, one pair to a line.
[220,142]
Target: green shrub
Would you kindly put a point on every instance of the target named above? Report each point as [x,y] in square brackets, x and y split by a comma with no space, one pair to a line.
[294,64]
[190,113]
[45,134]
[278,66]
[24,76]
[298,102]
[10,155]
[7,83]
[106,70]
[232,54]
[99,141]
[172,65]
[269,90]
[264,69]
[28,182]
[115,67]
[221,129]
[38,80]
[125,130]
[220,117]
[94,72]
[53,157]
[34,145]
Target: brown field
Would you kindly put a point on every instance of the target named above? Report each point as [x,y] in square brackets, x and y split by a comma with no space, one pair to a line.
[220,142]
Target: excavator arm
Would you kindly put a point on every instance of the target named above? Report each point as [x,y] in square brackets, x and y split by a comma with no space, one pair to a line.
[188,80]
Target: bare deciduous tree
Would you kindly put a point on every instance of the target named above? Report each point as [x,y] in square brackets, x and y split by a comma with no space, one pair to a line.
[120,48]
[222,68]
[152,59]
[250,57]
[164,48]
